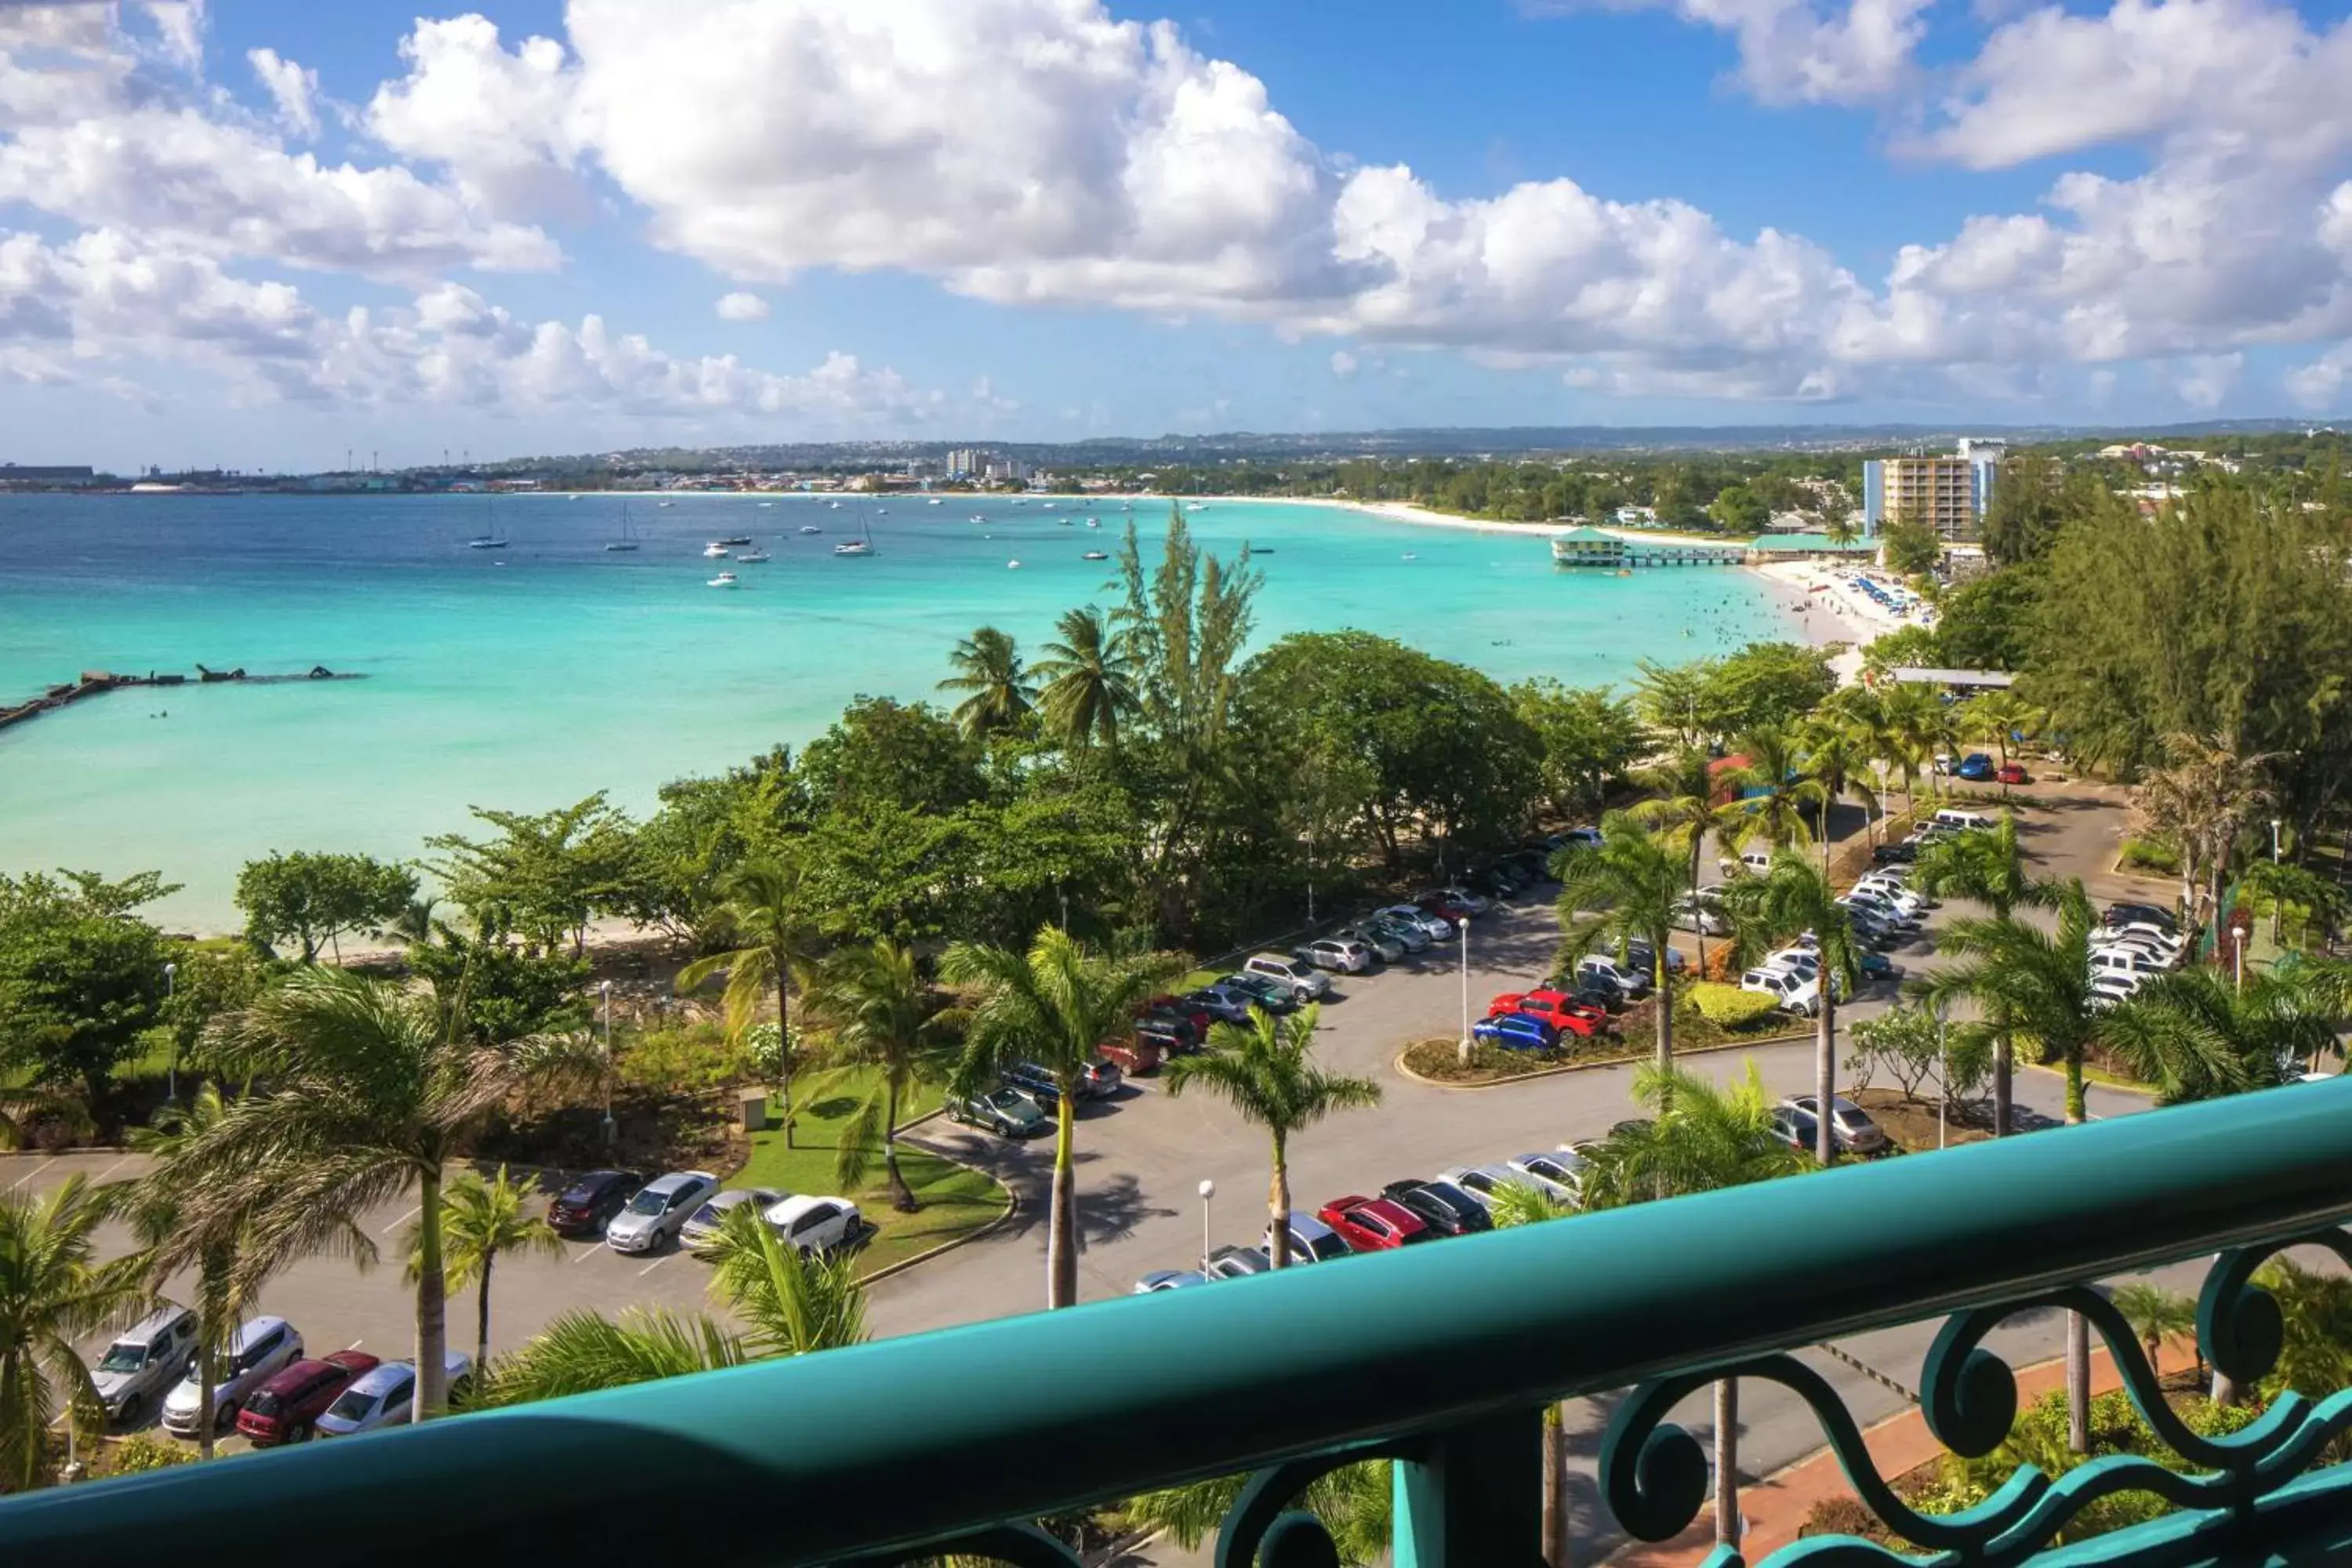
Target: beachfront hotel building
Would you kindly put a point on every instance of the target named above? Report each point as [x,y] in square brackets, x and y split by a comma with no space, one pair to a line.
[1949,494]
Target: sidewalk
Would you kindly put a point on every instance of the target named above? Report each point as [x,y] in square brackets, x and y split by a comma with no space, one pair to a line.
[1776,1507]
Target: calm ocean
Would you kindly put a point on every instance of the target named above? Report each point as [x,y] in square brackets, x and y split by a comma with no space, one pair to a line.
[529,677]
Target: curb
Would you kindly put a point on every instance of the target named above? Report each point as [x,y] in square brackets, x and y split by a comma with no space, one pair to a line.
[1011,1207]
[2089,1083]
[1407,1073]
[62,1153]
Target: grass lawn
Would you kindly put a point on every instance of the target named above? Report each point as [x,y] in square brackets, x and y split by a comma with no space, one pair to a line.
[955,1200]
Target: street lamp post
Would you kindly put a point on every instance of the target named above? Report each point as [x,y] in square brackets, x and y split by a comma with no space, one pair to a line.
[610,1131]
[2274,840]
[1944,1051]
[1208,1191]
[172,1074]
[1464,1045]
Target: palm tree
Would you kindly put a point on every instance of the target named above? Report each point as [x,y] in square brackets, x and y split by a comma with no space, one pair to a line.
[1052,1006]
[1267,1073]
[1511,1205]
[370,1100]
[1792,898]
[1989,868]
[53,1290]
[2315,1355]
[1699,1139]
[1913,722]
[791,1304]
[2197,1037]
[1998,715]
[2156,1315]
[1837,751]
[1682,808]
[885,1020]
[1774,792]
[2201,800]
[764,913]
[481,1220]
[2039,982]
[2280,884]
[1635,879]
[1840,530]
[1090,676]
[988,668]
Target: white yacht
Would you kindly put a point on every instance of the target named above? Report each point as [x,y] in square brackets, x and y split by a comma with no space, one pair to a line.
[714,551]
[754,556]
[724,580]
[854,547]
[810,528]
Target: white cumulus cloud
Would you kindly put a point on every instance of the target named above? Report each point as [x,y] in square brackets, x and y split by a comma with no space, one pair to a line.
[291,88]
[742,306]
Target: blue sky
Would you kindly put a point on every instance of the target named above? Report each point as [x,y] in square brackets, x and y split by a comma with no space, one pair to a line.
[399,235]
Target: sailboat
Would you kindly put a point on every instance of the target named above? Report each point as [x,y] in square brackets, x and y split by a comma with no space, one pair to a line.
[754,556]
[859,546]
[627,540]
[489,541]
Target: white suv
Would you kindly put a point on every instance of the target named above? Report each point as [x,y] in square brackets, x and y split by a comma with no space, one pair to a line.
[262,1349]
[1795,990]
[1306,983]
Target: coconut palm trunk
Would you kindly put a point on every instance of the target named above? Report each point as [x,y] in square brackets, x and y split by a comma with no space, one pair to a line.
[1726,1463]
[1555,1488]
[432,1394]
[1277,1198]
[212,1296]
[482,1315]
[1061,1231]
[1825,1067]
[902,1196]
[784,1056]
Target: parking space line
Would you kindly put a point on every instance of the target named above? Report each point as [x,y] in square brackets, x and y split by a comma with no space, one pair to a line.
[354,1344]
[657,1263]
[31,1173]
[589,1251]
[404,1219]
[99,1180]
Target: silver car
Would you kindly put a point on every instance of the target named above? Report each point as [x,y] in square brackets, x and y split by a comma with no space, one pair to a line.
[1340,953]
[383,1396]
[712,1214]
[1851,1130]
[659,1211]
[1384,944]
[144,1362]
[262,1349]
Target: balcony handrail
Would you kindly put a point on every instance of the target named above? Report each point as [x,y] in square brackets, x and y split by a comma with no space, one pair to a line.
[919,1439]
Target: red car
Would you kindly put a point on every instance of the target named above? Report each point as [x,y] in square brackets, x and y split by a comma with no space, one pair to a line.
[2012,773]
[1373,1225]
[283,1409]
[1447,909]
[1557,1008]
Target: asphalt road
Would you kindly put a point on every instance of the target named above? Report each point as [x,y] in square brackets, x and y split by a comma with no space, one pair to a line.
[1142,1156]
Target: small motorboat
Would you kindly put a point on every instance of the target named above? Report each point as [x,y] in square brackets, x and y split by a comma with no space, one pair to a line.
[486,543]
[1013,566]
[854,547]
[1049,506]
[835,505]
[754,556]
[1092,524]
[1408,555]
[1096,555]
[767,503]
[714,551]
[976,517]
[810,528]
[1019,501]
[666,503]
[738,539]
[935,501]
[724,580]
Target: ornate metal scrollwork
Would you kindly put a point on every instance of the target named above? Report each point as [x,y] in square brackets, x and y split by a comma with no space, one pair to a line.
[1263,1530]
[1654,1475]
[1017,1545]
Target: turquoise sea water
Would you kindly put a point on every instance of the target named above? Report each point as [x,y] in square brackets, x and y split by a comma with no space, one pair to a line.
[529,676]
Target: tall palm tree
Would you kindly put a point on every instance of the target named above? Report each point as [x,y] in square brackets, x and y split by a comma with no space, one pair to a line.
[370,1100]
[2202,799]
[53,1290]
[1699,1139]
[1266,1071]
[1792,898]
[1914,721]
[1988,867]
[2156,1315]
[1837,752]
[1683,809]
[2197,1037]
[1634,879]
[791,1304]
[479,1221]
[2319,901]
[1773,789]
[2039,982]
[763,911]
[885,1020]
[230,1259]
[1090,675]
[1997,716]
[988,669]
[1052,1006]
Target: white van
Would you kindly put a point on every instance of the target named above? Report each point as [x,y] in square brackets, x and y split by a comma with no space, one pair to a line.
[1756,862]
[1964,821]
[2124,961]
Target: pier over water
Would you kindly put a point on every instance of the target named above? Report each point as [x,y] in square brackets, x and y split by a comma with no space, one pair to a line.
[1592,547]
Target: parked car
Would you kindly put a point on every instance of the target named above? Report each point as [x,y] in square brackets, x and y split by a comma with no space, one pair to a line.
[1884,909]
[1444,1207]
[1698,913]
[1223,1003]
[1435,927]
[384,1396]
[1141,1052]
[1578,839]
[1446,909]
[283,1409]
[1595,969]
[1374,939]
[814,1224]
[1263,993]
[1602,997]
[1976,767]
[1311,1241]
[1306,983]
[1003,1111]
[704,1226]
[2107,990]
[659,1211]
[1797,1129]
[144,1362]
[1642,959]
[2124,961]
[1878,966]
[1894,853]
[1096,1081]
[1373,1225]
[1557,1008]
[1562,1168]
[261,1348]
[1752,862]
[1851,1130]
[1964,821]
[1483,1181]
[2012,773]
[1910,903]
[1411,935]
[1337,953]
[589,1203]
[1187,1010]
[1475,903]
[1238,1262]
[1516,1032]
[1796,991]
[2150,914]
[1160,1279]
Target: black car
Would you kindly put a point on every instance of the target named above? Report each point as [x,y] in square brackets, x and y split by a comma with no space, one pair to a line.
[589,1203]
[1167,1023]
[1495,882]
[2125,914]
[1530,866]
[1444,1207]
[1894,853]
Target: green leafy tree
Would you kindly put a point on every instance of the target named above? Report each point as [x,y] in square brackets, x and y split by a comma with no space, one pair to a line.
[490,987]
[1053,1005]
[999,694]
[1681,701]
[2202,800]
[482,1221]
[887,1022]
[1792,898]
[1912,548]
[77,989]
[370,1099]
[1355,1503]
[2318,903]
[311,899]
[53,1290]
[767,916]
[1773,790]
[2316,1352]
[2156,1315]
[208,979]
[1267,1073]
[546,875]
[1622,891]
[1770,685]
[898,756]
[1089,681]
[2029,507]
[1586,736]
[2001,717]
[1987,866]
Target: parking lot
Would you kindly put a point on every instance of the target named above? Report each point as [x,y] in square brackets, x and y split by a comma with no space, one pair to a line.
[1142,1155]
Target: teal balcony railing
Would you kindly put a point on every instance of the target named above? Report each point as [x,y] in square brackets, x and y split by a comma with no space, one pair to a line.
[1442,1357]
